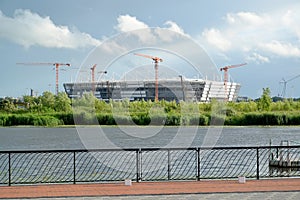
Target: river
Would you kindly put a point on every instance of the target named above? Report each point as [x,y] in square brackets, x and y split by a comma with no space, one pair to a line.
[37,138]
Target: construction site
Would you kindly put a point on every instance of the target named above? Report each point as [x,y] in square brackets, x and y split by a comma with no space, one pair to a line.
[177,88]
[189,90]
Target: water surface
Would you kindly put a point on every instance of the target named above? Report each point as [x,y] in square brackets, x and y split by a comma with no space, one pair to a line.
[37,138]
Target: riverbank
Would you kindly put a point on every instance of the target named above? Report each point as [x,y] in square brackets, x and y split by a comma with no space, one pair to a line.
[170,119]
[53,111]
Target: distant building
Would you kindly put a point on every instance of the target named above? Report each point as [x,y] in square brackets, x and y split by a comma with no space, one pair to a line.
[244,99]
[189,90]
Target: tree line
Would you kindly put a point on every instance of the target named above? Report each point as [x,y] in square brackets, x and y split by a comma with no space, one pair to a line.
[54,110]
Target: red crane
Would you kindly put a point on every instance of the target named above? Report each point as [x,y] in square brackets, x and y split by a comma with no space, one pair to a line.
[156,61]
[93,77]
[225,69]
[57,65]
[93,72]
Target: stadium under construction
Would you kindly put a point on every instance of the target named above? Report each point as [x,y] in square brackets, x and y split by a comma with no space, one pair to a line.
[197,90]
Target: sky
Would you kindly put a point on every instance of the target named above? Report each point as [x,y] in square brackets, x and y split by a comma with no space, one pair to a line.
[265,34]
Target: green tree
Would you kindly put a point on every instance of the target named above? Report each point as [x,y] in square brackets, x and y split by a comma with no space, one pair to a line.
[62,103]
[102,106]
[264,103]
[7,104]
[48,101]
[29,99]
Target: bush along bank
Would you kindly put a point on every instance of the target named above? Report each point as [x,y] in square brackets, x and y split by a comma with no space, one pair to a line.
[29,120]
[264,119]
[170,119]
[55,110]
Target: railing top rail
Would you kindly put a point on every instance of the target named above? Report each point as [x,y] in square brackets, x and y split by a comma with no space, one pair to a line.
[147,149]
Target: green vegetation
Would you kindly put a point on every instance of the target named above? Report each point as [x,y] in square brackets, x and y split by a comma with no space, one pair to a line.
[54,110]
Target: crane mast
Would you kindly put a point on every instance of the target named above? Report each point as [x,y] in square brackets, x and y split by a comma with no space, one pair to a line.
[156,61]
[93,77]
[57,65]
[225,69]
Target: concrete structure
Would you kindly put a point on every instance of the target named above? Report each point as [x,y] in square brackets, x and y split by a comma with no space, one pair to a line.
[198,90]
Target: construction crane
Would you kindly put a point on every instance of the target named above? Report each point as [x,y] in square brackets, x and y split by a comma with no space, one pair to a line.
[285,83]
[156,61]
[93,77]
[57,65]
[225,69]
[93,73]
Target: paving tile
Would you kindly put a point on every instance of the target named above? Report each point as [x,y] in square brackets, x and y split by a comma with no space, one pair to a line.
[209,189]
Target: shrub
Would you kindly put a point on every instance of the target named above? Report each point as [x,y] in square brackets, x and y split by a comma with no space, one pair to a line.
[65,118]
[202,120]
[85,118]
[173,120]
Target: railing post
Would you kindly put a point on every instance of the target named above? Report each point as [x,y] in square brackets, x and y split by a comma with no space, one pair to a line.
[138,165]
[257,163]
[198,164]
[9,170]
[74,167]
[169,167]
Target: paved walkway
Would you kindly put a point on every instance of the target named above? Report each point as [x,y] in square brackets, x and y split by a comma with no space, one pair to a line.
[207,189]
[210,196]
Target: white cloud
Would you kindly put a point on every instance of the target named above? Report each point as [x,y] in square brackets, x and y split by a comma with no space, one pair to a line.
[216,38]
[257,58]
[281,49]
[275,33]
[246,19]
[172,26]
[128,23]
[146,35]
[290,21]
[30,29]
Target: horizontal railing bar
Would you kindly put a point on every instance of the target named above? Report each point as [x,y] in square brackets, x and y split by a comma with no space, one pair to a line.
[145,149]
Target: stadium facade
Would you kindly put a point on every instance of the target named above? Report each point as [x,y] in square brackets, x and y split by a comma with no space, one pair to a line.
[197,90]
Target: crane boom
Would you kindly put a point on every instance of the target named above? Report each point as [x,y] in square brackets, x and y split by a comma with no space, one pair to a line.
[232,66]
[57,65]
[156,61]
[35,63]
[225,69]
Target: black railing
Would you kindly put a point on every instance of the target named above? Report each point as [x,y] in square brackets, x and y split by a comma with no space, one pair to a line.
[149,164]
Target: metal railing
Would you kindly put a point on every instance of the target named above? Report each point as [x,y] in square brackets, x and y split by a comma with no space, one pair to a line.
[148,164]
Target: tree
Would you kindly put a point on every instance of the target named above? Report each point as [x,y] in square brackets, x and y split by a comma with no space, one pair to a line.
[264,103]
[48,101]
[7,104]
[29,99]
[62,103]
[102,106]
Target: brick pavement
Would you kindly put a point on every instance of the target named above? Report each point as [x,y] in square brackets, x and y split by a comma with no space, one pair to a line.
[149,188]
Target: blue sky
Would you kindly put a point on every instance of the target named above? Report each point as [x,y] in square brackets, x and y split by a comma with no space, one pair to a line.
[265,34]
